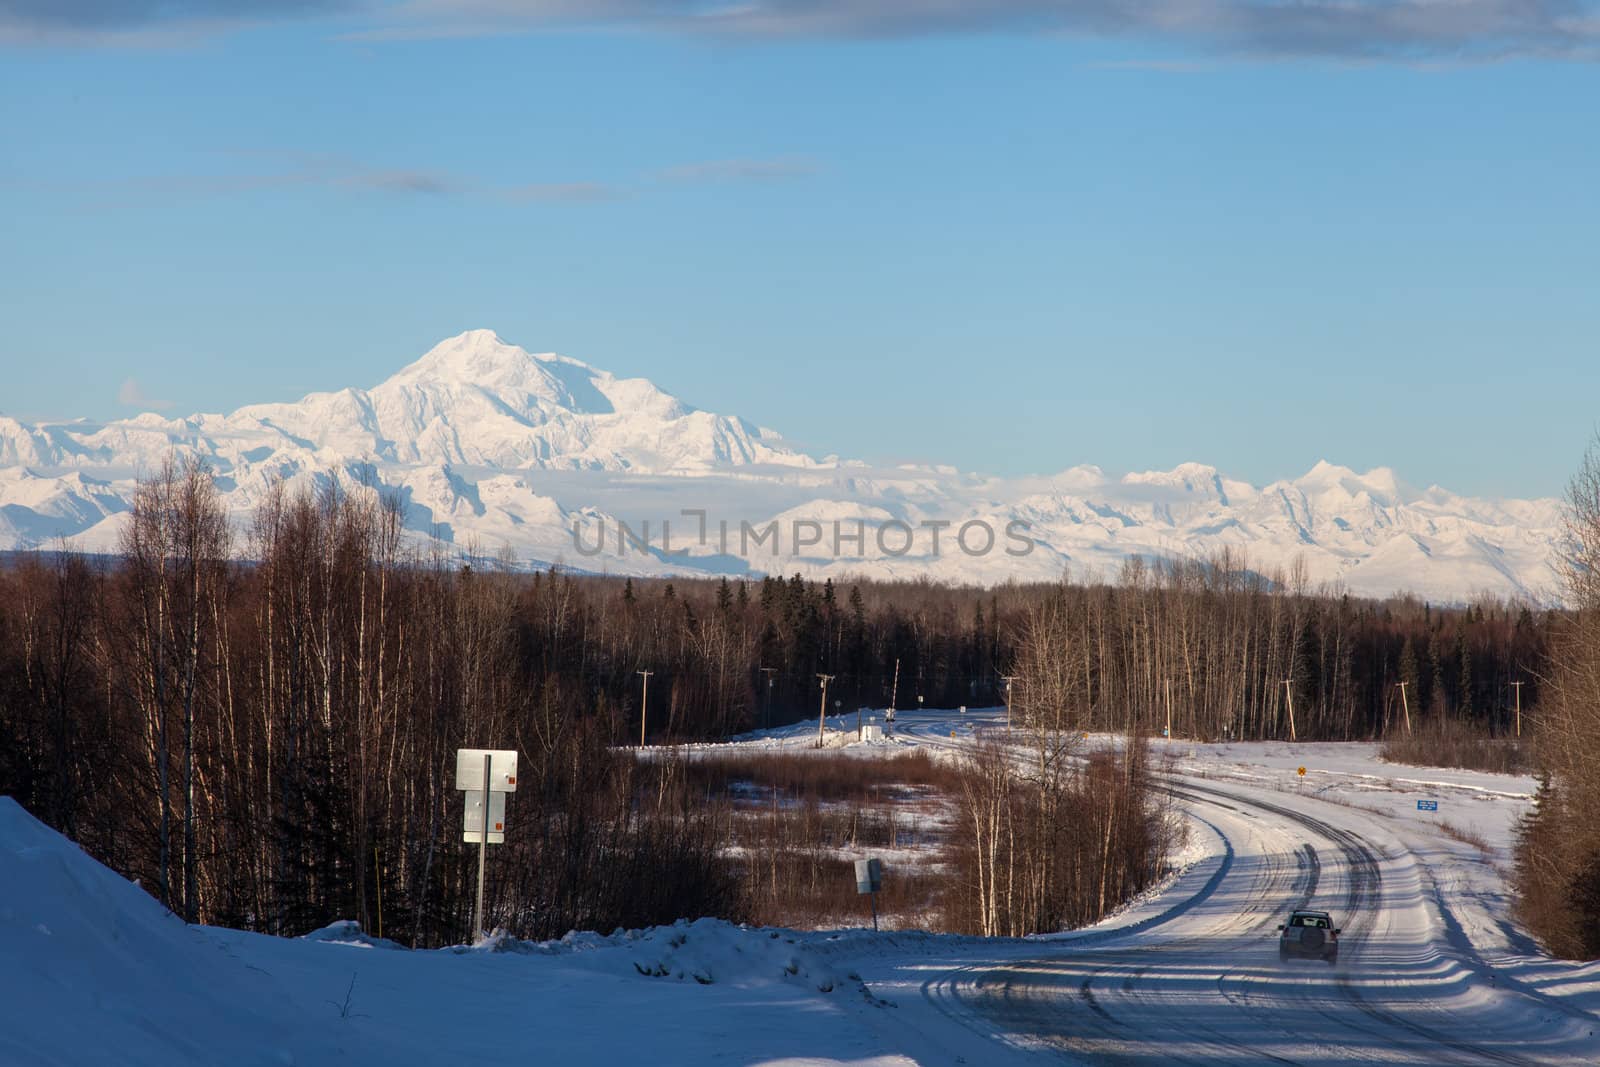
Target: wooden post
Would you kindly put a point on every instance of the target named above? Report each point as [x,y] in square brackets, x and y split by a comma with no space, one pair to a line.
[822,712]
[766,707]
[1406,706]
[644,701]
[1288,687]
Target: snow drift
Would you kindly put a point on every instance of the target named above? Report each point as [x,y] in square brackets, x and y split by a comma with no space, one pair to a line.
[94,971]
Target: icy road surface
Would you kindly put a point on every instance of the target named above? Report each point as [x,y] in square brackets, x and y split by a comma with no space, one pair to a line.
[1431,970]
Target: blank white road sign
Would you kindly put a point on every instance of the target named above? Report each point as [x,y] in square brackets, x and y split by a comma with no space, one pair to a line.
[502,768]
[472,819]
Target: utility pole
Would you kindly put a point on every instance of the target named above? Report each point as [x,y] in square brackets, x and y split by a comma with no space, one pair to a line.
[822,712]
[644,702]
[1008,679]
[1288,687]
[766,714]
[1518,687]
[894,690]
[1405,706]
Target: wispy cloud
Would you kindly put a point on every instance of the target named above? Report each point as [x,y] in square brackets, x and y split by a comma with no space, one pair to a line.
[1159,66]
[1412,31]
[565,192]
[271,170]
[132,394]
[402,181]
[734,170]
[303,170]
[1351,30]
[153,23]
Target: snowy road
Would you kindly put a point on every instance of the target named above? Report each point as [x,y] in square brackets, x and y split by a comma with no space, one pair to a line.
[1196,978]
[1432,968]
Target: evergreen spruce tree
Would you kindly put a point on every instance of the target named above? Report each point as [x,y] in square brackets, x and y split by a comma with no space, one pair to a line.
[1436,684]
[1410,673]
[1464,686]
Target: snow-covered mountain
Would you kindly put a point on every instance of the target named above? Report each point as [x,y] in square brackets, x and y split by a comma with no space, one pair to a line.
[489,444]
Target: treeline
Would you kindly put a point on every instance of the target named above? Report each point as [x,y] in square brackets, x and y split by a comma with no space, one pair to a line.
[272,746]
[260,724]
[1219,650]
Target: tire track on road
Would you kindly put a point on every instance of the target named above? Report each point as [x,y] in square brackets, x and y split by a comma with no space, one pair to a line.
[966,993]
[1365,880]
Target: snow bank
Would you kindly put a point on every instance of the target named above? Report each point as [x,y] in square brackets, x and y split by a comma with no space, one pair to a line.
[705,951]
[92,970]
[349,932]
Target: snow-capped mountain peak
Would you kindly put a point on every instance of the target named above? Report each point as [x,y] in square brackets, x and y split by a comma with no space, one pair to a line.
[537,384]
[1380,482]
[478,400]
[485,440]
[479,359]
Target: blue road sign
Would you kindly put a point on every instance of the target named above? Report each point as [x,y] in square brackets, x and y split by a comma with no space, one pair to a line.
[1427,805]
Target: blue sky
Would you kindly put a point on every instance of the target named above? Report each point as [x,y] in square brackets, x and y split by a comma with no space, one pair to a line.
[894,229]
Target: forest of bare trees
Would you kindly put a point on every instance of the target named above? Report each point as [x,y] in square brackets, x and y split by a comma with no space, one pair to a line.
[259,722]
[1057,835]
[1558,852]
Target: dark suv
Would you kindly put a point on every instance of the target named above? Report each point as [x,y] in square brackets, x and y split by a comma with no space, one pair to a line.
[1309,933]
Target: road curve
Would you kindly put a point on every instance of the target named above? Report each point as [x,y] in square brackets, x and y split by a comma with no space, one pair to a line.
[1201,983]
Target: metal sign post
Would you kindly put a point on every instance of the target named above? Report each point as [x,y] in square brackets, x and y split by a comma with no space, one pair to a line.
[483,851]
[869,879]
[486,776]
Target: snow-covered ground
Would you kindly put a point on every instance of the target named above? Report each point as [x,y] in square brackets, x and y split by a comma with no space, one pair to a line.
[1433,969]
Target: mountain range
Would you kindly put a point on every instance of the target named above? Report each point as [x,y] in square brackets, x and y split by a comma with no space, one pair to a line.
[489,446]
